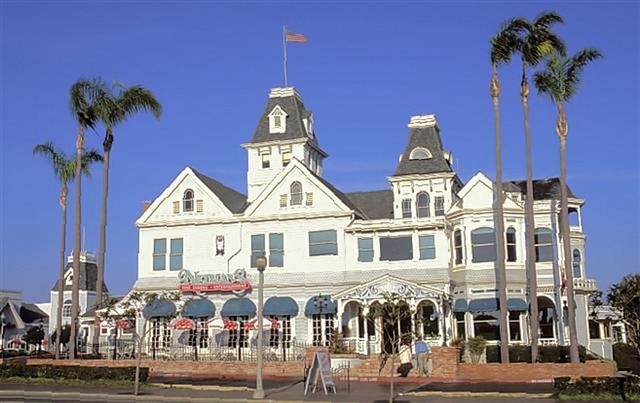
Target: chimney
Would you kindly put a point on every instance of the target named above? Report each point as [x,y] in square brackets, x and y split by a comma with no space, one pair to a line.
[145,205]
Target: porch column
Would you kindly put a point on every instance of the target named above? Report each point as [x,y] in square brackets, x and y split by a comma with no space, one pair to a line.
[365,312]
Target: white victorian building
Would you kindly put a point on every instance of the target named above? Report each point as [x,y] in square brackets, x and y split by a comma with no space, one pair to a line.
[331,255]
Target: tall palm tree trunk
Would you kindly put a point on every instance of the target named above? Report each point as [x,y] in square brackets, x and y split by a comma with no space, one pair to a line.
[562,130]
[530,223]
[63,246]
[103,228]
[76,244]
[499,222]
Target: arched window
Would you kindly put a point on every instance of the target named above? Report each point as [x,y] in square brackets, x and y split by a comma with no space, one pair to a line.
[422,204]
[419,153]
[426,319]
[483,245]
[296,193]
[546,318]
[544,245]
[187,200]
[66,309]
[577,260]
[511,244]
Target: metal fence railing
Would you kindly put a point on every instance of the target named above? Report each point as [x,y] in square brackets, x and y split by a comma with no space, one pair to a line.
[126,349]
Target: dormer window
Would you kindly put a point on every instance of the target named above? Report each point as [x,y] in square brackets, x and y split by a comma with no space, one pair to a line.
[187,201]
[420,153]
[277,120]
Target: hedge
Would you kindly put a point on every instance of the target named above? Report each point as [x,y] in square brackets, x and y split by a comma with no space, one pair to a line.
[626,357]
[72,372]
[598,385]
[556,354]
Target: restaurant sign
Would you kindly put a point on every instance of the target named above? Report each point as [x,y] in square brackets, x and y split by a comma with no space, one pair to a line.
[235,282]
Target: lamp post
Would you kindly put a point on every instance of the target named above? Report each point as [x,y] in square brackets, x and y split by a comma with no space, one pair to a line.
[261,264]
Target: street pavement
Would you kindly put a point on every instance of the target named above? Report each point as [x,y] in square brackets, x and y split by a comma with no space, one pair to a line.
[278,391]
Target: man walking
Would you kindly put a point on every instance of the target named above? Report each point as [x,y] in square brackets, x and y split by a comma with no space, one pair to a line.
[423,353]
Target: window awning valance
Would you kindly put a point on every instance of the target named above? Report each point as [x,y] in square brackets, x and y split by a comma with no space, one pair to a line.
[517,304]
[199,308]
[238,307]
[280,306]
[158,309]
[320,305]
[460,305]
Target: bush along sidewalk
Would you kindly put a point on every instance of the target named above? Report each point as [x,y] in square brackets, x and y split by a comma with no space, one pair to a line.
[618,387]
[78,372]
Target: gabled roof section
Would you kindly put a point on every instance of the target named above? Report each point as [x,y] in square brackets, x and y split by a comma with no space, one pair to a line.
[374,205]
[339,198]
[291,103]
[423,133]
[235,201]
[31,313]
[543,189]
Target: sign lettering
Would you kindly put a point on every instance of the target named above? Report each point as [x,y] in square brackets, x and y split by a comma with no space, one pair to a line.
[213,282]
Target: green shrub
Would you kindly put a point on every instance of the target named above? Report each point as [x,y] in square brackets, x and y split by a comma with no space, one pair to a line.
[626,357]
[598,385]
[72,372]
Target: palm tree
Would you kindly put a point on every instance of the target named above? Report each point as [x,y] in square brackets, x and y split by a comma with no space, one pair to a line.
[64,168]
[113,110]
[537,42]
[560,81]
[84,95]
[503,46]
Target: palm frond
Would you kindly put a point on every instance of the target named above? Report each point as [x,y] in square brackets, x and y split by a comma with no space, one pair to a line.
[507,41]
[137,99]
[547,18]
[540,41]
[562,76]
[85,95]
[88,157]
[57,157]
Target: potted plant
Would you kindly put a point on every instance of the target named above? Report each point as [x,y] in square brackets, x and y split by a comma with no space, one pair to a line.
[476,346]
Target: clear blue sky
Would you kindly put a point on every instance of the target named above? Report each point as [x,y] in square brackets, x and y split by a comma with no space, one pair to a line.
[367,68]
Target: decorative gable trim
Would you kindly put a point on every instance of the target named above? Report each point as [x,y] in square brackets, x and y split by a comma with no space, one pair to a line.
[376,289]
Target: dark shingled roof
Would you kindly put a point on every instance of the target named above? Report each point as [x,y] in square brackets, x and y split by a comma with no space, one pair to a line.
[30,313]
[294,108]
[429,138]
[543,189]
[375,204]
[234,201]
[87,280]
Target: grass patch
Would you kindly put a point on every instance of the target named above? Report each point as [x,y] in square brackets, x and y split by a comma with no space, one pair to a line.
[70,382]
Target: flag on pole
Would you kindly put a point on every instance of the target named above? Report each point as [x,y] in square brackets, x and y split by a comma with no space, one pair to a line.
[293,37]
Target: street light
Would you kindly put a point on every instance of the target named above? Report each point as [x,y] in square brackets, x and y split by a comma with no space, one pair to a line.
[261,264]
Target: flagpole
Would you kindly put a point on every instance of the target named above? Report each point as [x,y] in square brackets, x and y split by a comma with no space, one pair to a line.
[284,46]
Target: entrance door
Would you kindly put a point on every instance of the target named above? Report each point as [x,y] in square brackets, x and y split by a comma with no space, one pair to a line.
[392,316]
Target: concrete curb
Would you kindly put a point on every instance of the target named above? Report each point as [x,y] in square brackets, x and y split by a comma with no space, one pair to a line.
[479,394]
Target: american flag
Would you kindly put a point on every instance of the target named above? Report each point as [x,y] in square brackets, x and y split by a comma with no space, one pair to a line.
[292,37]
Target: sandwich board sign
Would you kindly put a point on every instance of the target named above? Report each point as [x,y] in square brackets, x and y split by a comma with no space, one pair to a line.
[320,368]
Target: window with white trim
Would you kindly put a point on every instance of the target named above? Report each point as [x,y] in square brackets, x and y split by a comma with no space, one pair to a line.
[577,260]
[511,244]
[406,208]
[266,160]
[323,243]
[483,245]
[515,332]
[322,328]
[544,245]
[277,120]
[159,254]
[66,309]
[365,249]
[396,248]
[257,248]
[422,204]
[427,247]
[187,201]
[295,191]
[457,245]
[175,257]
[438,203]
[420,153]
[276,250]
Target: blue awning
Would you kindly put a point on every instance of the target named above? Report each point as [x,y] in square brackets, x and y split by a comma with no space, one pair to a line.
[460,305]
[320,304]
[199,308]
[483,305]
[158,309]
[280,306]
[517,304]
[238,307]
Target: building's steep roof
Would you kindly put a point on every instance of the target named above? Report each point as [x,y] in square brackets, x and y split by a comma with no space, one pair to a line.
[233,200]
[343,197]
[87,278]
[543,189]
[423,133]
[31,313]
[290,102]
[375,204]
